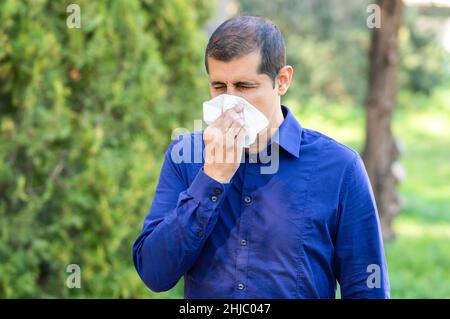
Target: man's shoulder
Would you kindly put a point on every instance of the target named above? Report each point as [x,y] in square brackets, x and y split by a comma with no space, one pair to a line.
[327,148]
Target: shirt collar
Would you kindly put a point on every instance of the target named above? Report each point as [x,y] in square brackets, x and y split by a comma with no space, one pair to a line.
[289,134]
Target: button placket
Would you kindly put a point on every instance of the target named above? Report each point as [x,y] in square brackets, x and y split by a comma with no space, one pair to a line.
[243,231]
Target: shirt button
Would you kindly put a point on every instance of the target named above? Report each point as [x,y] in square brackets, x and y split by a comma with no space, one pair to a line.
[200,233]
[243,242]
[214,198]
[218,191]
[241,286]
[247,199]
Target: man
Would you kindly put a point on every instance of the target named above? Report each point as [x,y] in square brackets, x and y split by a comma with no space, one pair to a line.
[233,232]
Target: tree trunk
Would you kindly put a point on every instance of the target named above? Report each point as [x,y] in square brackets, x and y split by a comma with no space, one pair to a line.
[381,150]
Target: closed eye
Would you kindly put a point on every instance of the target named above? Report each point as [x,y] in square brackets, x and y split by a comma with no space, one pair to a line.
[242,87]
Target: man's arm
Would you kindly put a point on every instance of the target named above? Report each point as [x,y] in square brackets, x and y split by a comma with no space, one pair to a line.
[361,267]
[175,230]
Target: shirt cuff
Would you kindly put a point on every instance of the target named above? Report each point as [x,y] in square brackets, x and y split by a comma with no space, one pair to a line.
[207,191]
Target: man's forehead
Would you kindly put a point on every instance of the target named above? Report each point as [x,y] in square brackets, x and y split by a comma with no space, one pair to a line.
[245,68]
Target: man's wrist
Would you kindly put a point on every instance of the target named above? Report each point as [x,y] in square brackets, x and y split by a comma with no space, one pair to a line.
[217,178]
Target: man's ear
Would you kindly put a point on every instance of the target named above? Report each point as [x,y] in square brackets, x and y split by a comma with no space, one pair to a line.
[284,79]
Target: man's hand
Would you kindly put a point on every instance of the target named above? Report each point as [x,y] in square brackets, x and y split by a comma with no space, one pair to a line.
[224,140]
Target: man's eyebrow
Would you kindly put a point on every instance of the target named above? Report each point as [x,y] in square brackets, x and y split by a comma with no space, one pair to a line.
[237,83]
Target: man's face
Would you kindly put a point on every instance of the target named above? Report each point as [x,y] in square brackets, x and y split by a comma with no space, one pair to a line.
[240,77]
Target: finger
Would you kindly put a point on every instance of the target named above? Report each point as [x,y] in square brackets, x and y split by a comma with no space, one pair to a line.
[231,134]
[235,126]
[239,144]
[226,119]
[230,147]
[238,108]
[212,134]
[230,141]
[240,137]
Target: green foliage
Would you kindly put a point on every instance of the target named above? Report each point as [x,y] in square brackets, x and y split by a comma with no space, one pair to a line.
[328,42]
[85,114]
[424,63]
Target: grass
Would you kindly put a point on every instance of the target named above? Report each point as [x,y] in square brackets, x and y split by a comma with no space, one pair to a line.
[419,257]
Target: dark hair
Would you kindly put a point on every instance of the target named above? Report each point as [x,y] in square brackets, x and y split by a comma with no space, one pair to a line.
[242,35]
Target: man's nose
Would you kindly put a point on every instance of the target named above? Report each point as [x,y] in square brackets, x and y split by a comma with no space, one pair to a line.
[231,90]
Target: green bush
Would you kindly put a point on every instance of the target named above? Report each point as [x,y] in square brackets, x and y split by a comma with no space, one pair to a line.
[85,115]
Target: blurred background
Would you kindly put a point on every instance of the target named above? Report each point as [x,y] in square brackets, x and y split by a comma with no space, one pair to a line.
[86,114]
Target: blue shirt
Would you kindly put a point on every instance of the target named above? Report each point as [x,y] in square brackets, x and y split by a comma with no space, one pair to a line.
[292,233]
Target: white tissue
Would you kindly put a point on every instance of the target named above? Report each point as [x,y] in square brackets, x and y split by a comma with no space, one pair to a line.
[255,121]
